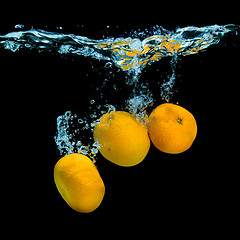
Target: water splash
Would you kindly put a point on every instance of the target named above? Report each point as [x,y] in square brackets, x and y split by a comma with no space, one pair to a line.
[131,55]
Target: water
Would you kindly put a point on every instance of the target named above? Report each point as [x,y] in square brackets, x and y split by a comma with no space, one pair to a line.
[73,132]
[128,54]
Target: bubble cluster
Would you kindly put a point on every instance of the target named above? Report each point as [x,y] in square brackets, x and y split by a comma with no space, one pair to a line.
[73,130]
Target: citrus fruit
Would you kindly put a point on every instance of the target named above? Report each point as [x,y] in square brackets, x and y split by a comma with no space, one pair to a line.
[123,139]
[79,183]
[172,128]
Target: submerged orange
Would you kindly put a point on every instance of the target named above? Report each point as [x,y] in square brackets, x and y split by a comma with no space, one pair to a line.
[172,128]
[123,139]
[79,182]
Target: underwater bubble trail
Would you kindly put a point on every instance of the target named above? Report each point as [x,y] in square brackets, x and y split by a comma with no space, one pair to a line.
[167,88]
[71,129]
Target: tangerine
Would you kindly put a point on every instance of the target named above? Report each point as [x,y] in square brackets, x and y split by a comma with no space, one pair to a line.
[79,182]
[123,139]
[172,128]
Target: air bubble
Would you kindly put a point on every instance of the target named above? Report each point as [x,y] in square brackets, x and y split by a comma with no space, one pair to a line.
[108,65]
[19,26]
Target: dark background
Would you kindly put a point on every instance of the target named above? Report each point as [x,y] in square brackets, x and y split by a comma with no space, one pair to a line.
[196,188]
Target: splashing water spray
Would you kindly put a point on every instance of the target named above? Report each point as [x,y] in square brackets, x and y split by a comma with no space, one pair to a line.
[131,55]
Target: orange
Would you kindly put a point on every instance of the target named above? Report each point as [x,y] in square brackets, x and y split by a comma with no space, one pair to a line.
[172,128]
[123,139]
[79,183]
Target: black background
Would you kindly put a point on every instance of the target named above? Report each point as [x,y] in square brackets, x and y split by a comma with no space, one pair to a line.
[196,188]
